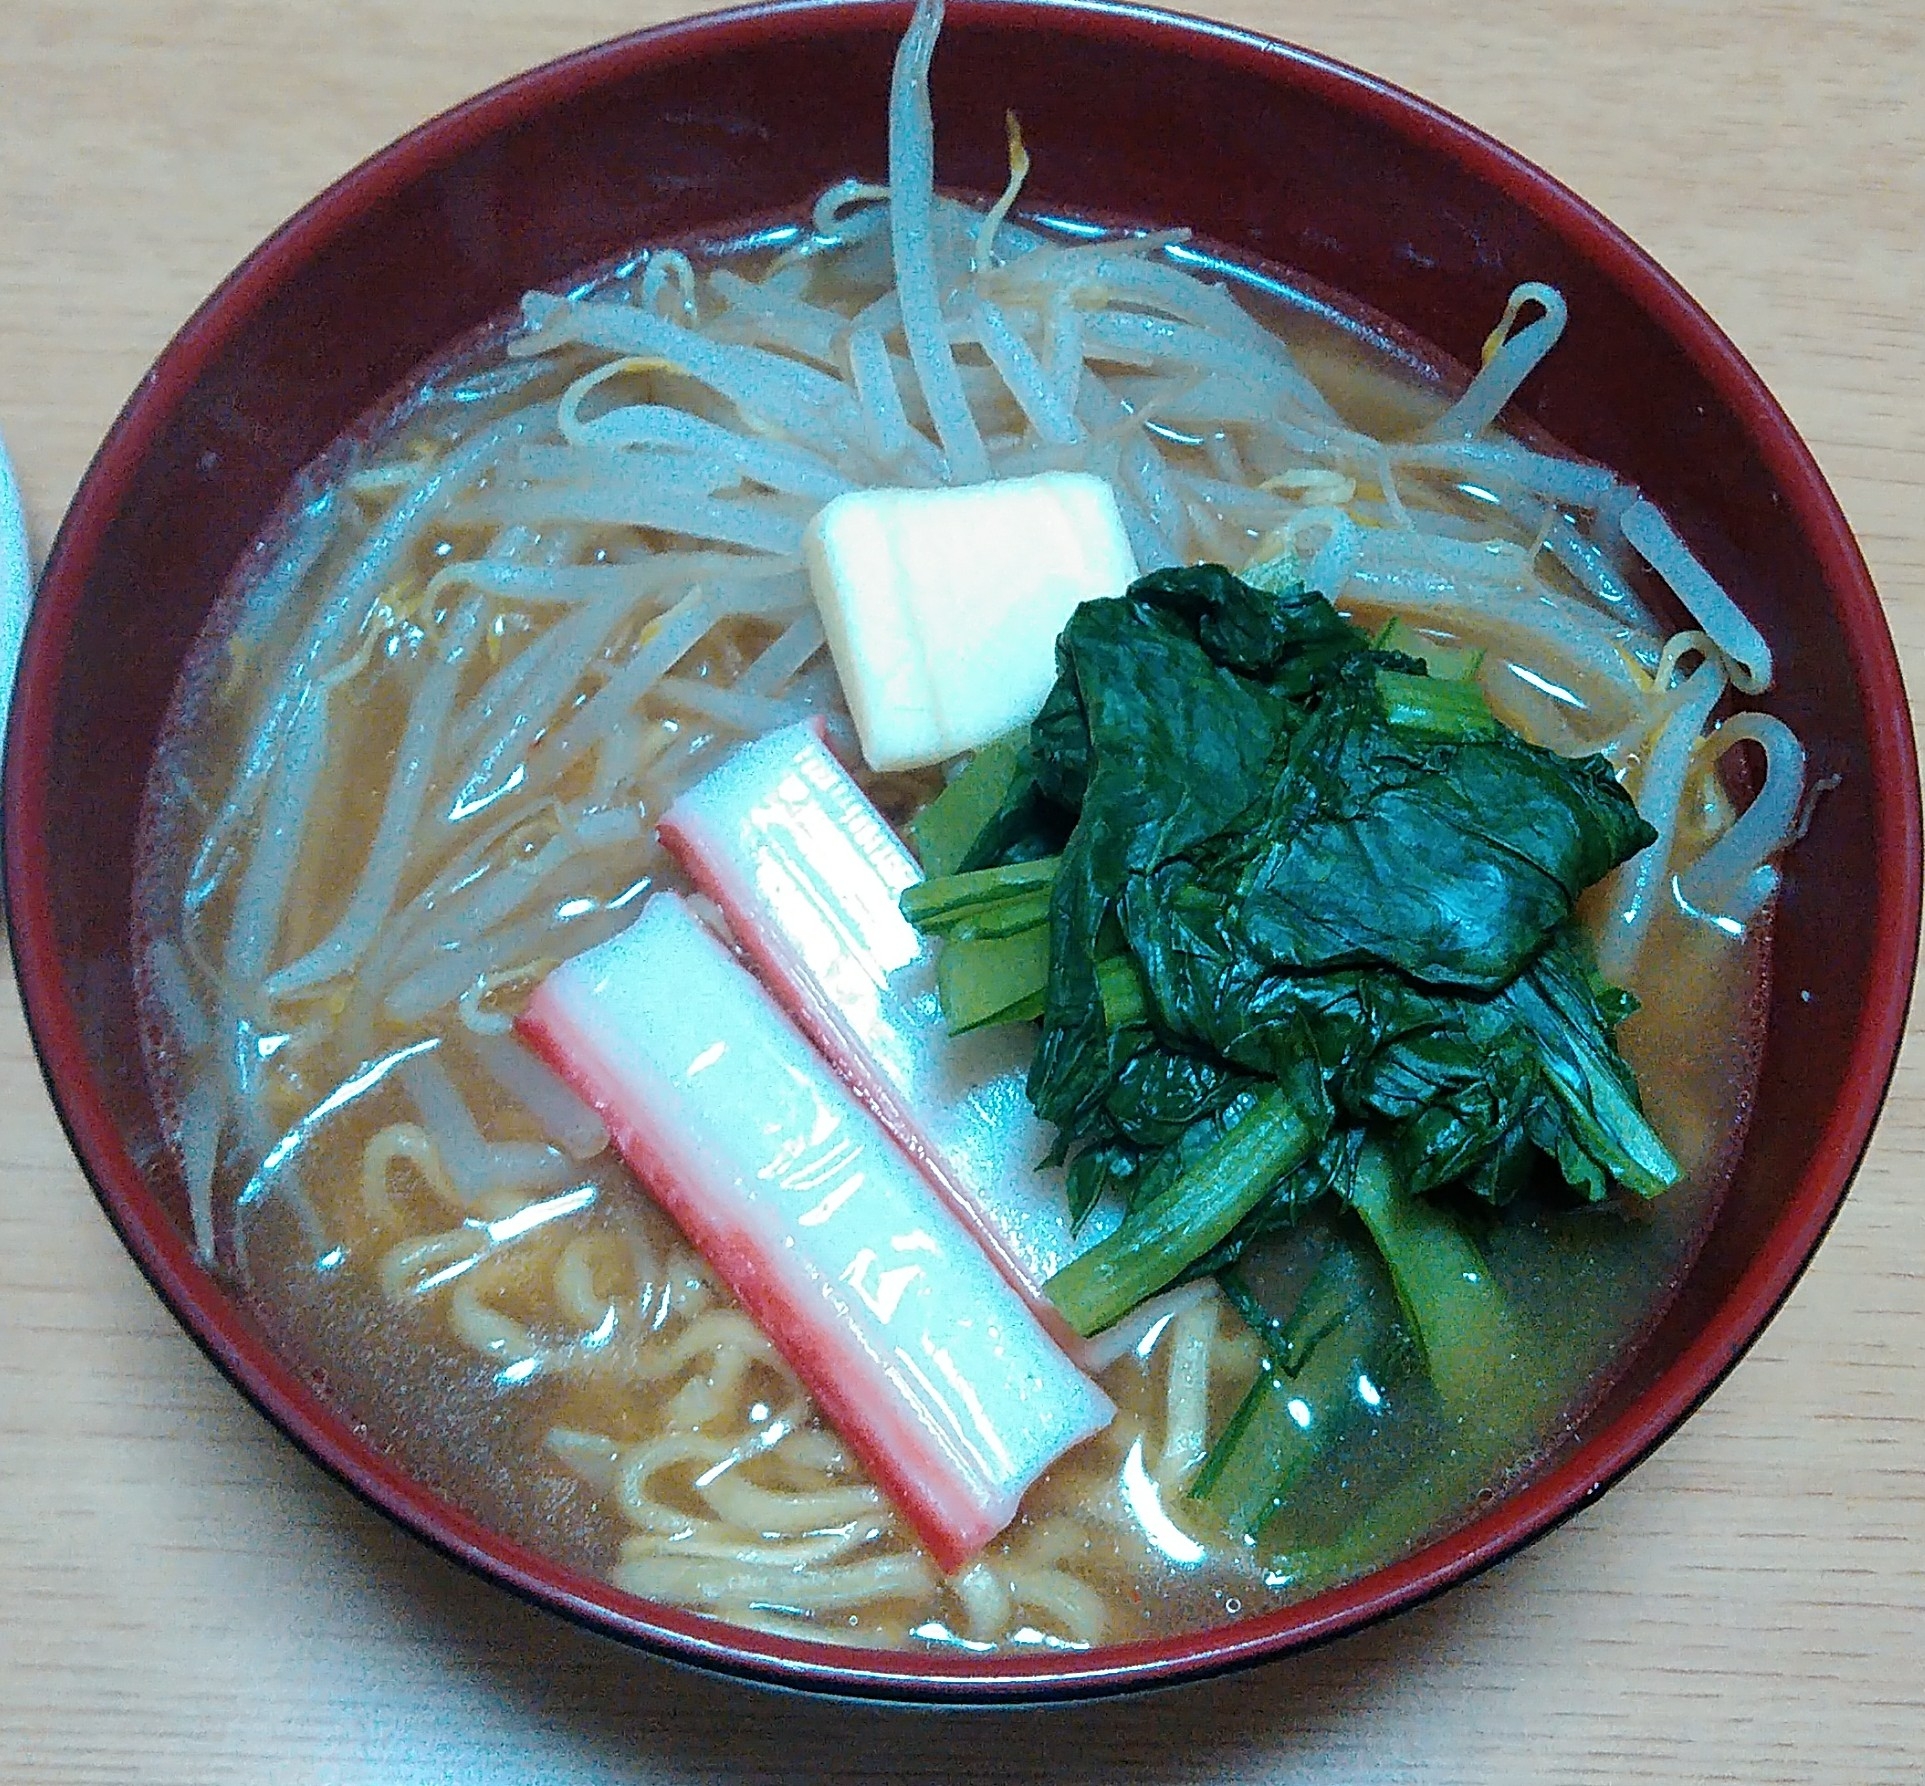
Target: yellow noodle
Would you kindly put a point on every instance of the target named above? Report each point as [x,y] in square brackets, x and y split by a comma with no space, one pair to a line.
[417,1267]
[985,1600]
[773,1511]
[594,1457]
[574,1281]
[701,1581]
[409,1144]
[488,1331]
[1187,1396]
[1071,1603]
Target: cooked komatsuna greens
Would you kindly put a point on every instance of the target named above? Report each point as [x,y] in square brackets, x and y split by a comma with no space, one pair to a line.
[1299,917]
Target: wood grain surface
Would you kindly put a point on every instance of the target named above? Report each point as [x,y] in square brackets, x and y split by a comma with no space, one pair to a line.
[185,1599]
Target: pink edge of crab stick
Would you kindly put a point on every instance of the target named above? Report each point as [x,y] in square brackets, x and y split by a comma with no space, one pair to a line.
[810,877]
[922,1356]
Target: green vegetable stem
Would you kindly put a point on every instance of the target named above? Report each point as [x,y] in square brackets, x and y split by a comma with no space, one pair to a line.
[1187,1217]
[1323,1375]
[1456,1311]
[1296,913]
[997,978]
[946,830]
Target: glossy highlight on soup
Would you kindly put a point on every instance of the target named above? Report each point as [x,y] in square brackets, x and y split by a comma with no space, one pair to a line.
[418,761]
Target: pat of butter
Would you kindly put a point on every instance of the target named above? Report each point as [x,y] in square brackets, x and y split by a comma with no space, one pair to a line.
[942,606]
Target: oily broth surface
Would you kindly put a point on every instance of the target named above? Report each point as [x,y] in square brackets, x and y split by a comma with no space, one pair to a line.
[378,1329]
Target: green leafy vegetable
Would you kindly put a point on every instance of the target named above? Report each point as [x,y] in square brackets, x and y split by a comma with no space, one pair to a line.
[1323,1373]
[1442,1281]
[1449,859]
[946,830]
[1445,663]
[1440,709]
[993,979]
[983,902]
[1197,1208]
[1298,915]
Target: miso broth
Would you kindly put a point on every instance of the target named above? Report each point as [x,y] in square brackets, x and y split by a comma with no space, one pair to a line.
[550,1354]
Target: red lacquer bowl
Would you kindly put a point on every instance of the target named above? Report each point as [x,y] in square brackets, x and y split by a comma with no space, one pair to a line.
[688,129]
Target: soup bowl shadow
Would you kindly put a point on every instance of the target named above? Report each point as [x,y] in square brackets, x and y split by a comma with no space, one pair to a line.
[696,130]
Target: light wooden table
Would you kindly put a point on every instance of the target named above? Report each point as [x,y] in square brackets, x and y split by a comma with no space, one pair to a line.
[184,1599]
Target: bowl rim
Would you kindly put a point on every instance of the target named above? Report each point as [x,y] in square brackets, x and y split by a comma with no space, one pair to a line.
[294,1406]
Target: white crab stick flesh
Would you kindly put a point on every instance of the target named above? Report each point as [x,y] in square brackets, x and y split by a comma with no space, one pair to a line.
[810,877]
[933,1370]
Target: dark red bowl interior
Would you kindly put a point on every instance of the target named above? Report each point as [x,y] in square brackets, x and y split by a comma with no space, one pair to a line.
[695,126]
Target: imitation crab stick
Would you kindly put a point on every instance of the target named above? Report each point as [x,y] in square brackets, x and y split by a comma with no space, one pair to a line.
[810,875]
[935,1372]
